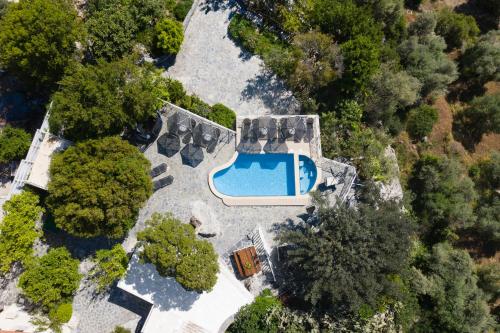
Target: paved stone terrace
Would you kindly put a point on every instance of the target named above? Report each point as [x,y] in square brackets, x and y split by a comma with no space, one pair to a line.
[213,67]
[190,195]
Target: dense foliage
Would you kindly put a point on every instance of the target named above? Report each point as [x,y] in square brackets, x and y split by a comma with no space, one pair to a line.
[421,120]
[37,40]
[169,36]
[61,314]
[14,144]
[100,100]
[222,115]
[321,259]
[481,62]
[444,196]
[18,229]
[110,265]
[97,187]
[457,29]
[52,279]
[253,317]
[172,247]
[447,290]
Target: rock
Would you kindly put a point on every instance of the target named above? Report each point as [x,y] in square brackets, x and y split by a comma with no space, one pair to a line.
[195,222]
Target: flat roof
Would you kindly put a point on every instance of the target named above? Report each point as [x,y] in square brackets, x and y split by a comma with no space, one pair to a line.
[177,310]
[39,175]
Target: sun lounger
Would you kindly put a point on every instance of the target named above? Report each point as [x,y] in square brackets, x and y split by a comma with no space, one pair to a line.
[158,170]
[161,183]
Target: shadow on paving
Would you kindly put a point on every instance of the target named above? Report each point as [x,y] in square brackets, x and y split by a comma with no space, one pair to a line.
[132,303]
[270,90]
[216,5]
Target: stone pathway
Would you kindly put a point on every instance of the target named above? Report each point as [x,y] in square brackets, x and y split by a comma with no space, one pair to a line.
[211,66]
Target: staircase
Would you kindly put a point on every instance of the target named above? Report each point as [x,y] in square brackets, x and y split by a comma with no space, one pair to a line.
[263,252]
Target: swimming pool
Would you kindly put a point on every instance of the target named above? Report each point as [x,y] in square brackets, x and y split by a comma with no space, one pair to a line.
[258,175]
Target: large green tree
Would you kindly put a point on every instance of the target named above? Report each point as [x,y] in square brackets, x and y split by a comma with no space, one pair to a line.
[481,62]
[97,187]
[18,229]
[450,300]
[38,40]
[351,259]
[111,33]
[14,144]
[52,279]
[172,247]
[482,116]
[444,196]
[100,100]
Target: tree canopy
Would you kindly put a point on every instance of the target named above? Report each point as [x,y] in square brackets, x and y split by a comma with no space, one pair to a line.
[457,29]
[421,120]
[14,144]
[169,36]
[481,62]
[351,259]
[444,196]
[38,40]
[110,265]
[100,100]
[172,247]
[97,187]
[18,229]
[52,279]
[450,298]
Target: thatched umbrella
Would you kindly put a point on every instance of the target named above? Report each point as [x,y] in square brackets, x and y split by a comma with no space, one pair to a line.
[192,155]
[168,144]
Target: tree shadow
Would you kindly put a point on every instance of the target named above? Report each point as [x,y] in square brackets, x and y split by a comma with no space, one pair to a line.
[486,19]
[216,5]
[273,93]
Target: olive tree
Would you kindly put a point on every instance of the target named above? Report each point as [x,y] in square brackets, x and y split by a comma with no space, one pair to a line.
[481,62]
[421,120]
[457,29]
[172,247]
[97,187]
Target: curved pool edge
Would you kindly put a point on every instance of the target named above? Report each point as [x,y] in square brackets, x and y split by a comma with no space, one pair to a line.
[294,200]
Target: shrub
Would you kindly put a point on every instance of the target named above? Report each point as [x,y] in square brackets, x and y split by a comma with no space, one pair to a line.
[97,187]
[14,144]
[222,115]
[169,36]
[110,266]
[254,317]
[456,28]
[37,40]
[61,314]
[182,9]
[481,62]
[18,230]
[421,120]
[119,329]
[172,247]
[52,279]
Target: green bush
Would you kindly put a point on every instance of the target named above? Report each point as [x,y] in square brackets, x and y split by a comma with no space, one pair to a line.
[110,266]
[169,36]
[182,9]
[175,251]
[457,29]
[61,314]
[119,329]
[254,317]
[222,115]
[14,144]
[18,229]
[97,187]
[51,279]
[421,120]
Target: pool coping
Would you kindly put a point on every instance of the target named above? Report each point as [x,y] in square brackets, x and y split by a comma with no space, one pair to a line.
[289,200]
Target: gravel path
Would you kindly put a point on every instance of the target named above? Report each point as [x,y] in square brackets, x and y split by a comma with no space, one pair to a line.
[211,66]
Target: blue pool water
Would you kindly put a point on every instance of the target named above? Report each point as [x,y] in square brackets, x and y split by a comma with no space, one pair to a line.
[264,175]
